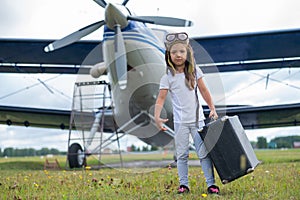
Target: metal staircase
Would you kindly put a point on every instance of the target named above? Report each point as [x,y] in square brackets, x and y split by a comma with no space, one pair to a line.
[91,102]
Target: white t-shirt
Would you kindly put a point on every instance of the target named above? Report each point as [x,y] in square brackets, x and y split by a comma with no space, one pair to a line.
[184,100]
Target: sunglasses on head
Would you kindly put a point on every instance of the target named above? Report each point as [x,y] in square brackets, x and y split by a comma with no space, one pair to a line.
[177,36]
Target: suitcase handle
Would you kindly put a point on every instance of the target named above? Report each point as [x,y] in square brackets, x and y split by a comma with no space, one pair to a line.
[223,119]
[212,120]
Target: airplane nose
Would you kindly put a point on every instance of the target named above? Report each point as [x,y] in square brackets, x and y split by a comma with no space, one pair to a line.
[142,99]
[114,16]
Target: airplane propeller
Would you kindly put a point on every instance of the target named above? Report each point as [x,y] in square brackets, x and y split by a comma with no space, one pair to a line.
[101,3]
[73,37]
[164,21]
[120,57]
[116,20]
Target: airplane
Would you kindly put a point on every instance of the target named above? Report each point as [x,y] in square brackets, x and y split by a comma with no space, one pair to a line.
[133,56]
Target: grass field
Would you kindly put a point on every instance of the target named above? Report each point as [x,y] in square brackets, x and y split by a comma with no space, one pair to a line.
[278,177]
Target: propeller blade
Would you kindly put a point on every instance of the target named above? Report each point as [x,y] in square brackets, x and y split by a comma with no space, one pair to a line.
[120,58]
[101,3]
[73,37]
[165,21]
[125,2]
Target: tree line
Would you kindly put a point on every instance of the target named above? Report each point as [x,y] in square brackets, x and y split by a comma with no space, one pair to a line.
[276,143]
[134,148]
[15,152]
[279,142]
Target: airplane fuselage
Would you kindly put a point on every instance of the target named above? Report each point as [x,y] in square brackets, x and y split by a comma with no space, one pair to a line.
[145,67]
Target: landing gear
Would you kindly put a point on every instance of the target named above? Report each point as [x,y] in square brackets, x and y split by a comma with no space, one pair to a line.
[76,156]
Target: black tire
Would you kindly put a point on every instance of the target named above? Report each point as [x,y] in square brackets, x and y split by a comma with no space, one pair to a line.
[76,156]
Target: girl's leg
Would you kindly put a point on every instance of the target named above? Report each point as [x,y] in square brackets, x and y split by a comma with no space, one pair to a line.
[182,152]
[207,169]
[205,160]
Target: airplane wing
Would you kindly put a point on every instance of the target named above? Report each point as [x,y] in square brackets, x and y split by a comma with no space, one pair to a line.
[248,51]
[32,51]
[28,56]
[251,117]
[49,118]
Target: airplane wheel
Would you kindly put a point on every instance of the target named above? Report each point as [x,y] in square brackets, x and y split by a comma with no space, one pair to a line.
[76,156]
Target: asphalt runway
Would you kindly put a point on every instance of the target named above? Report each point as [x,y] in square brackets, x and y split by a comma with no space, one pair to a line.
[147,164]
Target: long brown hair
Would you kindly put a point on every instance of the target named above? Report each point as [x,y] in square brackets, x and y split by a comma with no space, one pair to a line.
[189,69]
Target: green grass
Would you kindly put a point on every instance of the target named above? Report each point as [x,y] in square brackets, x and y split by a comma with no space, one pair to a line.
[278,177]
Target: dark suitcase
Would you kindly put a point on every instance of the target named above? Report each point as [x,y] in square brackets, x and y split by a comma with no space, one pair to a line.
[229,148]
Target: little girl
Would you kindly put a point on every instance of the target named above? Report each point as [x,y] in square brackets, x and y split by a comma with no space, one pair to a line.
[181,81]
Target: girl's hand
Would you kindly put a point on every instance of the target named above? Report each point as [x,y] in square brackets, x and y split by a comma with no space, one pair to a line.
[213,114]
[159,122]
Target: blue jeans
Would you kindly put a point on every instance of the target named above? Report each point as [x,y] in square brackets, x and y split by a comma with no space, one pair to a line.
[182,131]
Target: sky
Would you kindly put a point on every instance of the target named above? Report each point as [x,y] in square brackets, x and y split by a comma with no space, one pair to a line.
[44,19]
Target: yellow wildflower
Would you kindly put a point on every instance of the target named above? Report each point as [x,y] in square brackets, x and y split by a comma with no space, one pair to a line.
[204,195]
